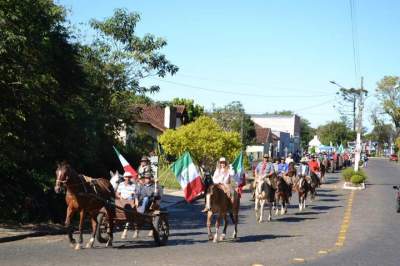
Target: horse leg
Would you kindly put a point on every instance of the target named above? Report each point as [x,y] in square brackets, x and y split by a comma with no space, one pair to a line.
[234,221]
[256,207]
[277,198]
[283,206]
[110,229]
[217,224]
[81,219]
[136,231]
[262,202]
[94,227]
[125,232]
[209,218]
[270,208]
[68,225]
[300,201]
[222,237]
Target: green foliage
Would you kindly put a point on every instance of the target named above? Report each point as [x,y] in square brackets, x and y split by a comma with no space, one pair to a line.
[204,139]
[306,132]
[62,100]
[167,178]
[349,173]
[193,110]
[389,95]
[232,117]
[357,179]
[335,132]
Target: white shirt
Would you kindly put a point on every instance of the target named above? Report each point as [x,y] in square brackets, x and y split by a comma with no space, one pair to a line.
[127,191]
[222,176]
[288,160]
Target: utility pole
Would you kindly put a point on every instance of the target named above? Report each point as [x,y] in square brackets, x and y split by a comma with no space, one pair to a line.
[358,149]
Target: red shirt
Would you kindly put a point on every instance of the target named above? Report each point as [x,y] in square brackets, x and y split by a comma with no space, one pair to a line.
[314,166]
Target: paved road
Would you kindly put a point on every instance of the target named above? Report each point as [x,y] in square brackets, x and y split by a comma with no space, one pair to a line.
[286,240]
[373,237]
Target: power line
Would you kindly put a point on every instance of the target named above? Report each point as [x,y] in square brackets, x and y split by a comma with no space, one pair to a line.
[313,106]
[240,93]
[247,84]
[354,34]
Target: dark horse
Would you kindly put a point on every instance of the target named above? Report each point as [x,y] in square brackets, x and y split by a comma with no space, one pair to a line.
[221,204]
[282,194]
[87,196]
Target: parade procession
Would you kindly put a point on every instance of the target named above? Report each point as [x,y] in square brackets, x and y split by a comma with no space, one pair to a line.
[229,133]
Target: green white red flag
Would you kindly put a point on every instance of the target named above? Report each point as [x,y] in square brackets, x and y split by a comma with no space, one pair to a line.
[188,177]
[238,169]
[127,167]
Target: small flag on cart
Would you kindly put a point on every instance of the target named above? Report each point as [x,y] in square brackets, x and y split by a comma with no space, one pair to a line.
[239,172]
[127,167]
[188,177]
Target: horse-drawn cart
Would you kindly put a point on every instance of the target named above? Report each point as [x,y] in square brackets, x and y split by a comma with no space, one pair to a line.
[156,219]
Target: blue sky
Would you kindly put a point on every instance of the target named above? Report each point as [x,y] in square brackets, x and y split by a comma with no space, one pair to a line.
[270,55]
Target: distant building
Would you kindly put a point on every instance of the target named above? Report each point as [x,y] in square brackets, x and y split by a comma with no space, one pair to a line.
[283,123]
[266,143]
[154,120]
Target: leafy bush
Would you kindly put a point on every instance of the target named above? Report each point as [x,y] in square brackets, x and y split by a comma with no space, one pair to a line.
[358,179]
[348,173]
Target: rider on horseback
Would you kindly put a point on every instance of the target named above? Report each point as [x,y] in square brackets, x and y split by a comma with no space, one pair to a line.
[315,170]
[222,175]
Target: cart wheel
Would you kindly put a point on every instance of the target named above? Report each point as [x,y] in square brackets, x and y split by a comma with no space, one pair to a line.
[101,231]
[160,230]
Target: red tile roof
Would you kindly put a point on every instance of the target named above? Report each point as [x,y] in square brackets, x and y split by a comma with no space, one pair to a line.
[262,134]
[154,115]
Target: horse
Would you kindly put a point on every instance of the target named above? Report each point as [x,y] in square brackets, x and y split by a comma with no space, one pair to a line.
[264,193]
[222,205]
[313,184]
[302,187]
[84,195]
[282,194]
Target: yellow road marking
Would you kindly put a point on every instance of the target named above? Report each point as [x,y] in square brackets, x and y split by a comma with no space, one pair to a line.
[299,260]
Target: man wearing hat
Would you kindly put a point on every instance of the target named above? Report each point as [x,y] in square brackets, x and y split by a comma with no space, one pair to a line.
[147,192]
[264,168]
[144,166]
[304,169]
[126,190]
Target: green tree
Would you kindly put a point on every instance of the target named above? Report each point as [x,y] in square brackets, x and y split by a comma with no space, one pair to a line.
[204,139]
[388,91]
[306,132]
[194,110]
[335,132]
[232,117]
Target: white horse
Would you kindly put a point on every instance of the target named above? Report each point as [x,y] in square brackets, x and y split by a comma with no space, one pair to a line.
[263,194]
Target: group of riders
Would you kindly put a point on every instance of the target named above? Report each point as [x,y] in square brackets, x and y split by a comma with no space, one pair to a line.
[141,189]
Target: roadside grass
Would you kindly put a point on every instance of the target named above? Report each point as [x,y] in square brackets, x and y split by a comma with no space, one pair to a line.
[167,179]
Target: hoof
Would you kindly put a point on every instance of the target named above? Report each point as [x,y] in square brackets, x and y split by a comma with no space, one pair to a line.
[109,244]
[222,237]
[77,246]
[150,233]
[135,235]
[210,237]
[234,236]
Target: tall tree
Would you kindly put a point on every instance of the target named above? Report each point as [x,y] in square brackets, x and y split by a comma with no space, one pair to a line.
[335,132]
[194,110]
[306,132]
[388,91]
[232,117]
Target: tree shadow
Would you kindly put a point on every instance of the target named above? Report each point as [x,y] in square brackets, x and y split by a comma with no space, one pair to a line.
[309,213]
[257,238]
[328,195]
[328,200]
[294,219]
[321,208]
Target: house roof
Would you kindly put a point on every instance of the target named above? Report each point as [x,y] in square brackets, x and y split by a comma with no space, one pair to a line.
[154,115]
[262,134]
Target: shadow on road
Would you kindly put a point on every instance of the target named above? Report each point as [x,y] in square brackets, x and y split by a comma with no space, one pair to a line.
[309,213]
[325,207]
[294,219]
[256,238]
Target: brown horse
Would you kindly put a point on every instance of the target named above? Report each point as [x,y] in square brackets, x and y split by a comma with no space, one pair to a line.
[302,187]
[86,196]
[222,205]
[282,194]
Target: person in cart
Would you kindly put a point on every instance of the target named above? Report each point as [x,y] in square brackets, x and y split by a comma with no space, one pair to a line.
[127,189]
[148,193]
